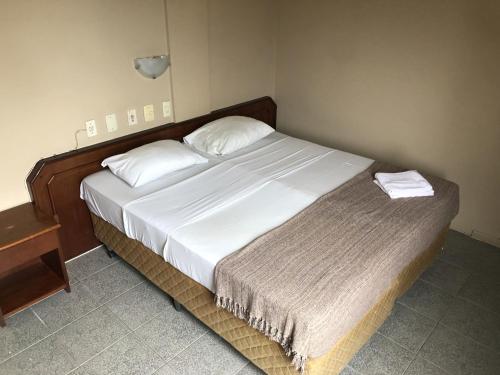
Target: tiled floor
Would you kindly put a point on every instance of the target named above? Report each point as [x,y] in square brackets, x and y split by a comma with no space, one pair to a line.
[116,322]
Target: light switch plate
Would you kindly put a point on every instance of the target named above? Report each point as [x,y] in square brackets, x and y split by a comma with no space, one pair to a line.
[167,111]
[111,123]
[91,127]
[132,117]
[149,113]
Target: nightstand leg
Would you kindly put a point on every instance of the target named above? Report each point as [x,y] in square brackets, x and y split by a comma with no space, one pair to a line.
[2,320]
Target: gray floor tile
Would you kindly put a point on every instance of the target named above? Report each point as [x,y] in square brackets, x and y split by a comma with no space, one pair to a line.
[166,370]
[349,371]
[422,367]
[458,354]
[209,355]
[140,304]
[484,289]
[427,299]
[171,332]
[481,324]
[470,253]
[128,356]
[89,263]
[63,308]
[250,369]
[381,356]
[22,330]
[69,347]
[407,328]
[113,281]
[446,276]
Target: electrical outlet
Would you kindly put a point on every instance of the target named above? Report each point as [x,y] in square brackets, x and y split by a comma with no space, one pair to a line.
[111,123]
[149,113]
[91,128]
[167,112]
[132,117]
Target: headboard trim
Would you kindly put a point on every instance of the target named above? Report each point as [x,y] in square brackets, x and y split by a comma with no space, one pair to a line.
[54,182]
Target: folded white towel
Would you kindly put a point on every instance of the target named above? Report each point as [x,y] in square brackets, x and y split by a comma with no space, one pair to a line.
[404,184]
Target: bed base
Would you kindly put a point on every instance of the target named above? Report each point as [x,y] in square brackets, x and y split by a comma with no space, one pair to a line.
[264,353]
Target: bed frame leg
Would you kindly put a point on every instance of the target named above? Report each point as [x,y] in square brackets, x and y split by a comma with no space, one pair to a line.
[177,305]
[109,252]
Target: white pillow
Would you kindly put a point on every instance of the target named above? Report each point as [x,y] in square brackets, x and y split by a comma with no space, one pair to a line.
[149,162]
[227,134]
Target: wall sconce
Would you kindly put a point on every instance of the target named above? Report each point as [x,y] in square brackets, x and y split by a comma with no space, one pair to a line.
[153,66]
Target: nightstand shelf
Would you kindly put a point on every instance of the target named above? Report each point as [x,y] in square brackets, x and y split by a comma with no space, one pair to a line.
[31,262]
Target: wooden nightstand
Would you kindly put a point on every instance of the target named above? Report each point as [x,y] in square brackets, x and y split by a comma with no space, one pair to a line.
[31,262]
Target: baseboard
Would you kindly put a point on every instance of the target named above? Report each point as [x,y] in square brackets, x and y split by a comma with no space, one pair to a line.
[486,237]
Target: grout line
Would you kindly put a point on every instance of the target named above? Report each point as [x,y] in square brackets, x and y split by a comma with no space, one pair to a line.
[465,282]
[418,312]
[100,352]
[353,369]
[38,317]
[183,350]
[438,366]
[470,338]
[439,321]
[73,321]
[154,350]
[441,289]
[101,269]
[422,345]
[241,368]
[457,296]
[452,295]
[162,366]
[427,339]
[395,342]
[444,289]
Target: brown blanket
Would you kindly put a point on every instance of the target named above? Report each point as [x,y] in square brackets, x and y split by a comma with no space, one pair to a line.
[308,282]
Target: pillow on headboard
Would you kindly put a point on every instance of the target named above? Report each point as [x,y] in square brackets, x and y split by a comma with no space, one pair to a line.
[228,134]
[152,161]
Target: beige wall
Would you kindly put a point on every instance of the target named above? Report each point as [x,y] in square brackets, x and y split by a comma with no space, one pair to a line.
[64,62]
[242,50]
[188,39]
[416,83]
[223,52]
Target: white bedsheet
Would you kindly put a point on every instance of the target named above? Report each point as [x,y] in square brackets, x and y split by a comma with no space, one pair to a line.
[106,195]
[197,220]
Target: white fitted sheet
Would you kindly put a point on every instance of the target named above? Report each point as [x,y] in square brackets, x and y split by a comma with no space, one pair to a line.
[196,219]
[106,195]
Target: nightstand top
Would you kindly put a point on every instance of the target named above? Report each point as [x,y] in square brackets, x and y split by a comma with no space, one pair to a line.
[22,223]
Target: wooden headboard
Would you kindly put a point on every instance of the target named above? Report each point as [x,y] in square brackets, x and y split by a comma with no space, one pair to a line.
[54,183]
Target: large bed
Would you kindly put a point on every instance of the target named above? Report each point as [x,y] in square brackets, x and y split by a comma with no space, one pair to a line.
[178,229]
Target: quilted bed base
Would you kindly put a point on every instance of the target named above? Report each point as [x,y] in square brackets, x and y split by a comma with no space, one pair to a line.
[264,353]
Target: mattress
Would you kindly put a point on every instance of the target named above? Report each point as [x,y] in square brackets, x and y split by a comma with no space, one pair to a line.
[198,216]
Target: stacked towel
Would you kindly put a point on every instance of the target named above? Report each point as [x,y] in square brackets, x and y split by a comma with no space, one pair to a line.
[404,184]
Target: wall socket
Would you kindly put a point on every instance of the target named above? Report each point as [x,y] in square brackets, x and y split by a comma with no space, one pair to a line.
[132,117]
[111,123]
[91,127]
[167,109]
[149,113]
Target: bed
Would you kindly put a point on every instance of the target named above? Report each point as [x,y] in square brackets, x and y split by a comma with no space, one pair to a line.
[179,255]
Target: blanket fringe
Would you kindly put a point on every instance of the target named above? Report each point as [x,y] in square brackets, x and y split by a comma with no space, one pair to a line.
[298,360]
